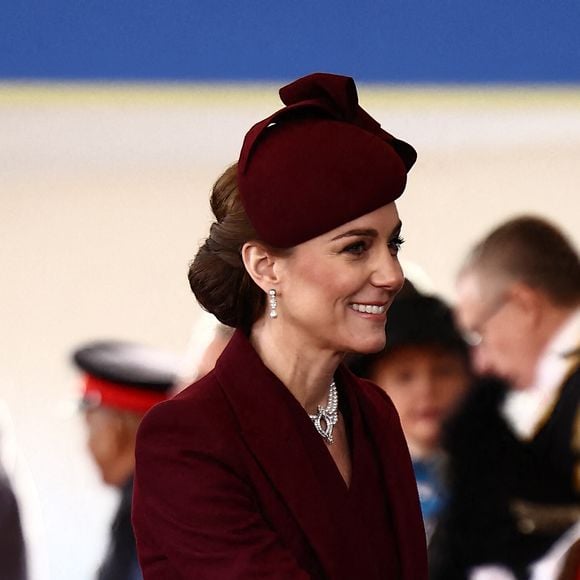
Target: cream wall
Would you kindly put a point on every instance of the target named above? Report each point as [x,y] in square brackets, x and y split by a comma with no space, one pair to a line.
[103,200]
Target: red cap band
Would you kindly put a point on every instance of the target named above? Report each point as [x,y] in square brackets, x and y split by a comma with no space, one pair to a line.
[128,398]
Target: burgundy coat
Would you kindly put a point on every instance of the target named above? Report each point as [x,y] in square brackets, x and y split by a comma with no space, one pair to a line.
[226,486]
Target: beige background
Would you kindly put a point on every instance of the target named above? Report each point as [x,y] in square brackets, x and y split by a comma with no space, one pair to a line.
[103,201]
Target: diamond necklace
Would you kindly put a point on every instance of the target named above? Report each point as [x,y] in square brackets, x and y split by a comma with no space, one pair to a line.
[327,417]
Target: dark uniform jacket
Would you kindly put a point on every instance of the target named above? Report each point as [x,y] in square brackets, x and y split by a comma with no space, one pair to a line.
[12,552]
[232,481]
[510,499]
[121,560]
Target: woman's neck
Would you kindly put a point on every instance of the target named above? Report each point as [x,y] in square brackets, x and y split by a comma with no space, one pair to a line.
[304,369]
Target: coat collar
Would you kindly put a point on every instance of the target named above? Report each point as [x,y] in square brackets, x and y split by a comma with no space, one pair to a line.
[269,415]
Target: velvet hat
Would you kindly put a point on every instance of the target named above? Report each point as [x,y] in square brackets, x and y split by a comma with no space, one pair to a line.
[317,163]
[124,375]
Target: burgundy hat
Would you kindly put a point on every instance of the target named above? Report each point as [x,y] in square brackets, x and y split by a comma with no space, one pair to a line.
[319,162]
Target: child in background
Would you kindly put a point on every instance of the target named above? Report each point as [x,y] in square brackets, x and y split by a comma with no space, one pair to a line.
[425,370]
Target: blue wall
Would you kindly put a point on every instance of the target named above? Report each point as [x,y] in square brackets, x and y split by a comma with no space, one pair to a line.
[392,41]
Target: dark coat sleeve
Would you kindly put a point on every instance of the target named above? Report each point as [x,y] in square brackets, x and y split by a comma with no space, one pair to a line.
[489,468]
[194,513]
[476,526]
[121,559]
[12,552]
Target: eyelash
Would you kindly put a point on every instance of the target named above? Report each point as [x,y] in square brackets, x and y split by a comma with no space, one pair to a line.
[357,248]
[396,243]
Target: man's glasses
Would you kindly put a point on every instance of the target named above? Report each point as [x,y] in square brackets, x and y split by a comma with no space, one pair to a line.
[475,335]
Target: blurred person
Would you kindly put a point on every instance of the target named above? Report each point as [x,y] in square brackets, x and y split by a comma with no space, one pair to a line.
[515,446]
[425,370]
[280,463]
[12,548]
[214,349]
[122,380]
[13,552]
[202,333]
[562,562]
[23,534]
[202,352]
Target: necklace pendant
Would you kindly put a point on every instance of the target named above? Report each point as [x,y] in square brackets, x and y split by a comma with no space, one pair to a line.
[327,417]
[324,424]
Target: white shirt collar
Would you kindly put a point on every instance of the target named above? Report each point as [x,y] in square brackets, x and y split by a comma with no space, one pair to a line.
[567,338]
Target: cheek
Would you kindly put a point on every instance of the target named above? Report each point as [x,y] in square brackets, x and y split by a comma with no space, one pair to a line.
[319,286]
[402,399]
[406,405]
[98,446]
[451,389]
[101,443]
[507,336]
[497,345]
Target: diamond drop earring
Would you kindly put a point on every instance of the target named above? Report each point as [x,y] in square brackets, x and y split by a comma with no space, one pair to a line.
[273,303]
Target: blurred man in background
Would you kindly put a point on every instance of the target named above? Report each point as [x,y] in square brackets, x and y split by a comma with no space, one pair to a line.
[214,349]
[208,340]
[516,450]
[121,382]
[12,552]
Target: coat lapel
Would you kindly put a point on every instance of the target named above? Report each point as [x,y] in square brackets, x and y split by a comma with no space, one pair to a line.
[398,477]
[269,417]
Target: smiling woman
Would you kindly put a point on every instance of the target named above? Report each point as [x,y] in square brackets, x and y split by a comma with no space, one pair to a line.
[280,463]
[335,289]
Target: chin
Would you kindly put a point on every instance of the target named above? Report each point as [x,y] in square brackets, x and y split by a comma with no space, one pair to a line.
[370,345]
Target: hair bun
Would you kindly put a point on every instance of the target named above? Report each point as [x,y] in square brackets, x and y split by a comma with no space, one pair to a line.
[217,275]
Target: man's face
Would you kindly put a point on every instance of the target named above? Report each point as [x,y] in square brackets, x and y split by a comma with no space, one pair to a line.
[499,325]
[104,441]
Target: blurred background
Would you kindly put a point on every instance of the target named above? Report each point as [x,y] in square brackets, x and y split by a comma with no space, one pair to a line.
[115,119]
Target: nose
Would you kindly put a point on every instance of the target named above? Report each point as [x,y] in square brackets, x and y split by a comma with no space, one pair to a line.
[387,272]
[426,386]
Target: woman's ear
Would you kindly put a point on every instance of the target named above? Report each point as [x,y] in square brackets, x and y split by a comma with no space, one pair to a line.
[260,264]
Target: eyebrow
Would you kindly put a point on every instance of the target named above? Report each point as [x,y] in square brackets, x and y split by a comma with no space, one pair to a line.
[370,233]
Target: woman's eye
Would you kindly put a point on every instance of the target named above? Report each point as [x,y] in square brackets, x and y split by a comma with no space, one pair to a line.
[395,244]
[356,247]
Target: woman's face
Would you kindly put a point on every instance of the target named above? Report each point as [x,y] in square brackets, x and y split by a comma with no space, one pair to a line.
[424,383]
[335,289]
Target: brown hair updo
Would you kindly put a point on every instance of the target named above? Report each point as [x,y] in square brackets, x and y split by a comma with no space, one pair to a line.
[217,275]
